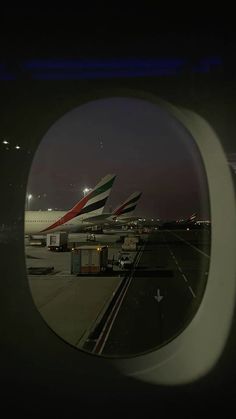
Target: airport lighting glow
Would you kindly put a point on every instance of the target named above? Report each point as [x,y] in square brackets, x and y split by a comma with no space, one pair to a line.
[29,197]
[86,190]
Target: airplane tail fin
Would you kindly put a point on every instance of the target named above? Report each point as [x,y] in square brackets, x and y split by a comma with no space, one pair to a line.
[192,218]
[91,204]
[94,202]
[127,208]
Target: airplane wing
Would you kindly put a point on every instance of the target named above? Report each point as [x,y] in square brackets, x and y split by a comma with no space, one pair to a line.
[99,219]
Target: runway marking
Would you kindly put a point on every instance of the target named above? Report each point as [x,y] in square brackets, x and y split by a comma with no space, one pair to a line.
[115,310]
[180,270]
[85,336]
[184,278]
[189,244]
[192,291]
[177,263]
[111,318]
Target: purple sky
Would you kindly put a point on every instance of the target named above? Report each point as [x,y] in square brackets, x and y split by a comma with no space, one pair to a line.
[138,141]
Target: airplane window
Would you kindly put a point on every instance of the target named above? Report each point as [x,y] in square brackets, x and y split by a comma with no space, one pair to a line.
[119,262]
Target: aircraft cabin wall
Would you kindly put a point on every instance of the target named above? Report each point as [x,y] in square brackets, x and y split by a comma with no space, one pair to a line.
[37,364]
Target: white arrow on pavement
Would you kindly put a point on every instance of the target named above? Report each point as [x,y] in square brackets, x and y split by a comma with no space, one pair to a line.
[158,297]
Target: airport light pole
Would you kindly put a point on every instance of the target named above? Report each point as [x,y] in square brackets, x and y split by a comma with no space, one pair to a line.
[29,197]
[86,191]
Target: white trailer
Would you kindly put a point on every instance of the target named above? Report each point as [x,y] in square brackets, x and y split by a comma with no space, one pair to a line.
[57,241]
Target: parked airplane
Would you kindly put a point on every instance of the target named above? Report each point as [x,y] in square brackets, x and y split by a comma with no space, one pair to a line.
[180,223]
[43,222]
[123,214]
[190,219]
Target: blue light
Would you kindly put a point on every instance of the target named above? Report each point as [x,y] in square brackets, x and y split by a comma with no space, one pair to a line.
[101,75]
[5,75]
[63,69]
[102,63]
[206,64]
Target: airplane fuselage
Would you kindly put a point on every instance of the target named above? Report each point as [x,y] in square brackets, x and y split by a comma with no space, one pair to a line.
[39,222]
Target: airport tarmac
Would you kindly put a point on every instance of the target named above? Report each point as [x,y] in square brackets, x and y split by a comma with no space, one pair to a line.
[128,312]
[164,293]
[71,305]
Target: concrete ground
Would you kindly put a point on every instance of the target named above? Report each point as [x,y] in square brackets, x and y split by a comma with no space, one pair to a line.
[71,305]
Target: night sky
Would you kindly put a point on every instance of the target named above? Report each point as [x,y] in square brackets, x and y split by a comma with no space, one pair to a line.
[138,141]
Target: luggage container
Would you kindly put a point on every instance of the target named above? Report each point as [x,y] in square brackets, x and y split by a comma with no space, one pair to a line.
[89,259]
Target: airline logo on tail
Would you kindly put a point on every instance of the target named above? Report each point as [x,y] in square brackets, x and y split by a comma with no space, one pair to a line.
[192,217]
[128,207]
[91,204]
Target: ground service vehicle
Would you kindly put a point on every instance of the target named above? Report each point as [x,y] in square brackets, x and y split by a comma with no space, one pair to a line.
[57,241]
